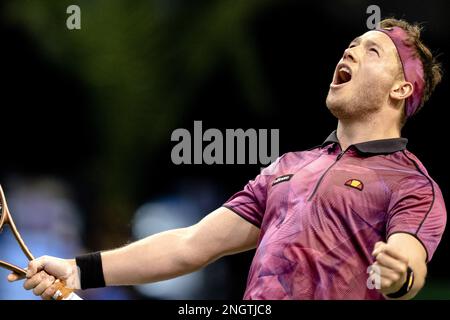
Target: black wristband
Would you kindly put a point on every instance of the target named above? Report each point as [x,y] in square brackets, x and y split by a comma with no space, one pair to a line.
[91,270]
[406,286]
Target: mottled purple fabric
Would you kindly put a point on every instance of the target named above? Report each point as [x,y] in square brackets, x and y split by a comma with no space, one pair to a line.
[321,216]
[412,67]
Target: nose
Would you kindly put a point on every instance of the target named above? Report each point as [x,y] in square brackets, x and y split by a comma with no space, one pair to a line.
[349,55]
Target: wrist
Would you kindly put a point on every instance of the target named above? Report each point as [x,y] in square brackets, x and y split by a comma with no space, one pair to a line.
[74,280]
[90,270]
[405,288]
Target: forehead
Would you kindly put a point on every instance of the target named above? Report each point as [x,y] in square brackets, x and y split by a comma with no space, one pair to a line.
[381,39]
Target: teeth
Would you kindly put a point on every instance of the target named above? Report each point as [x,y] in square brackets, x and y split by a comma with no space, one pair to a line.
[345,69]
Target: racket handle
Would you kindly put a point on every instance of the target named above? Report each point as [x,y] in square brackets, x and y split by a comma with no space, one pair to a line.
[72,296]
[63,293]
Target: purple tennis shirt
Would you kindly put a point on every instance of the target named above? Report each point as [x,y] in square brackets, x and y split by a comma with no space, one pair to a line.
[321,211]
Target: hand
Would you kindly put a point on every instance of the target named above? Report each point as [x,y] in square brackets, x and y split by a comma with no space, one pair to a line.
[389,269]
[44,272]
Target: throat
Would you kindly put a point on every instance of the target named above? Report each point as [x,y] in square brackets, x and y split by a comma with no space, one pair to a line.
[356,132]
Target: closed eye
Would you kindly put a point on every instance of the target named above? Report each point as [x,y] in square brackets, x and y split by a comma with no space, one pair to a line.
[375,50]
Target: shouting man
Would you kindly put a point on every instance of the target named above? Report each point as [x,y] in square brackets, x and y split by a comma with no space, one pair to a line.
[357,217]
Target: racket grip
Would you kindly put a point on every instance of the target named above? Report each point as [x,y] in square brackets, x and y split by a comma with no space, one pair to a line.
[63,293]
[73,296]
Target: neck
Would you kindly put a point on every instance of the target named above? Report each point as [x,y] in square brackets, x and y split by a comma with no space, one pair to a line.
[352,132]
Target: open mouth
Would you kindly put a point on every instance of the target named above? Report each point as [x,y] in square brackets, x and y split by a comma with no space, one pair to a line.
[342,76]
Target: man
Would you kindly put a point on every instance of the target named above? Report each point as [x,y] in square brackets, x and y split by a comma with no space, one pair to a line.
[357,217]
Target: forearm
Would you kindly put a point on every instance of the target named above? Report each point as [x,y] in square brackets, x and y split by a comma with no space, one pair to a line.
[158,257]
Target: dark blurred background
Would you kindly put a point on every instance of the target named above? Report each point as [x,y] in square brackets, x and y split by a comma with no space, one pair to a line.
[87,117]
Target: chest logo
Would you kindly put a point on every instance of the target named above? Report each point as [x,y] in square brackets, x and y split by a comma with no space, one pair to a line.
[280,179]
[355,183]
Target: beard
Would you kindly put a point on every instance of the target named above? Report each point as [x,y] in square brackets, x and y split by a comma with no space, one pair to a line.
[356,101]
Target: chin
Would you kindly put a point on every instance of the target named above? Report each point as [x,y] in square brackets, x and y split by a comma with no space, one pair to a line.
[340,109]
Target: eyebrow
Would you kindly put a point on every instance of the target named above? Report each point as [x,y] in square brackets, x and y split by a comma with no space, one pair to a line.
[357,40]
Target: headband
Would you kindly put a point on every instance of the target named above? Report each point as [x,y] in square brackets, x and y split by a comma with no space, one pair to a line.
[412,67]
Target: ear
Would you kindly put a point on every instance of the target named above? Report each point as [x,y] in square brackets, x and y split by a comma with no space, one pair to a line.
[401,90]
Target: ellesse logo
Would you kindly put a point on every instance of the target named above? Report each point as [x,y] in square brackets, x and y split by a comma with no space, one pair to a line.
[355,183]
[280,179]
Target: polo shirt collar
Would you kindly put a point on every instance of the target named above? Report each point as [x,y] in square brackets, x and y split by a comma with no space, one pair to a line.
[383,146]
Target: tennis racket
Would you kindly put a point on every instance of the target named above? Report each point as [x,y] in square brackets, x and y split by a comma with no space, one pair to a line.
[62,292]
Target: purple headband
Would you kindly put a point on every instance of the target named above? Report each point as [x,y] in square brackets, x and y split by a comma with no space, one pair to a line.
[412,67]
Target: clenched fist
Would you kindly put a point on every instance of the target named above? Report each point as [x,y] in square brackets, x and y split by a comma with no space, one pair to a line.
[389,271]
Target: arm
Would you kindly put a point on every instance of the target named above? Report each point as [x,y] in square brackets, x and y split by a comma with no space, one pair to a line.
[176,252]
[393,258]
[416,221]
[158,257]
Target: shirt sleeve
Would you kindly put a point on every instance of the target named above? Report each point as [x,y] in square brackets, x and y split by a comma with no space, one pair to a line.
[250,203]
[418,208]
